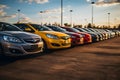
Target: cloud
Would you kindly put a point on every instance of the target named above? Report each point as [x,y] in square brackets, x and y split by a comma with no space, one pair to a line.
[10,16]
[107,2]
[88,0]
[53,15]
[6,17]
[58,10]
[24,18]
[2,7]
[36,1]
[2,13]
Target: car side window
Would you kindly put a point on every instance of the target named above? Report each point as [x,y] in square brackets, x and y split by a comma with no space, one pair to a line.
[24,27]
[1,27]
[66,29]
[8,27]
[54,28]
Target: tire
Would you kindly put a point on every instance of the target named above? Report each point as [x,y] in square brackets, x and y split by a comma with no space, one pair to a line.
[1,50]
[45,48]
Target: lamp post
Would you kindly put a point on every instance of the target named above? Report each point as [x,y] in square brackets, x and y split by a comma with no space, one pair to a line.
[18,15]
[41,17]
[71,18]
[108,19]
[61,12]
[92,18]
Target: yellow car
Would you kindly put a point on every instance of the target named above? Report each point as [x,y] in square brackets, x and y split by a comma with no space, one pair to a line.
[51,39]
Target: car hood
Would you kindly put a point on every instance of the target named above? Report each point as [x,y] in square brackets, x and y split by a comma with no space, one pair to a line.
[19,34]
[70,33]
[55,33]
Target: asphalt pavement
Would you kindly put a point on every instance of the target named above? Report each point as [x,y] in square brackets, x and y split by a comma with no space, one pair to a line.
[96,61]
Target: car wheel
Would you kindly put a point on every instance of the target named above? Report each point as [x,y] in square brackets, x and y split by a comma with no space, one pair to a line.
[45,49]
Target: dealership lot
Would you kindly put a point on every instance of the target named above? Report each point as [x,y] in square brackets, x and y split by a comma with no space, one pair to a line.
[96,61]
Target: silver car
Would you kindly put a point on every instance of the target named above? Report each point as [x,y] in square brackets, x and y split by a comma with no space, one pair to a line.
[14,42]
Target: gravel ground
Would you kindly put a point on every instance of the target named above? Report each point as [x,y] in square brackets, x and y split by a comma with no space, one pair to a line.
[96,61]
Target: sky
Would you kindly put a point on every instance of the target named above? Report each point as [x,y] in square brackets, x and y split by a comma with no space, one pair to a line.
[49,11]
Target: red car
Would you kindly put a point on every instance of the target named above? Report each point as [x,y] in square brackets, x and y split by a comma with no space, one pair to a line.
[87,37]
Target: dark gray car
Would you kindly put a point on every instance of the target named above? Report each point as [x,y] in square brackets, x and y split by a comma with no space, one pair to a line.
[14,42]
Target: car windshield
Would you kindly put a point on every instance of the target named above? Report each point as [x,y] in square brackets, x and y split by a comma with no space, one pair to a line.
[92,30]
[75,30]
[8,27]
[87,30]
[40,28]
[61,30]
[81,30]
[55,28]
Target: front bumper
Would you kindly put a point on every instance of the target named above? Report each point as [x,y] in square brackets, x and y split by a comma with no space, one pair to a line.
[77,41]
[13,49]
[58,44]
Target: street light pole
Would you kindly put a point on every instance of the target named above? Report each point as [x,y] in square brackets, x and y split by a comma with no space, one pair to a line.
[108,19]
[41,17]
[92,18]
[18,15]
[71,18]
[61,12]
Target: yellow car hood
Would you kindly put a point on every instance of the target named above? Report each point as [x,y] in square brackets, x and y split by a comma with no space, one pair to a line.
[55,33]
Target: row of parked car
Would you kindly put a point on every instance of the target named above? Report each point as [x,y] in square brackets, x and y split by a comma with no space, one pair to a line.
[26,38]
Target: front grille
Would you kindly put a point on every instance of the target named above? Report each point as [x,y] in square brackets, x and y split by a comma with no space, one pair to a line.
[55,44]
[65,37]
[32,40]
[32,48]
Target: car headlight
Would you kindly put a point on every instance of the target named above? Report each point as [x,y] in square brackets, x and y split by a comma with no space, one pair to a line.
[81,36]
[52,36]
[12,39]
[72,36]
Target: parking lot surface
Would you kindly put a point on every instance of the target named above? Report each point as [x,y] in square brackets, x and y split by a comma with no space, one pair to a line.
[96,61]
